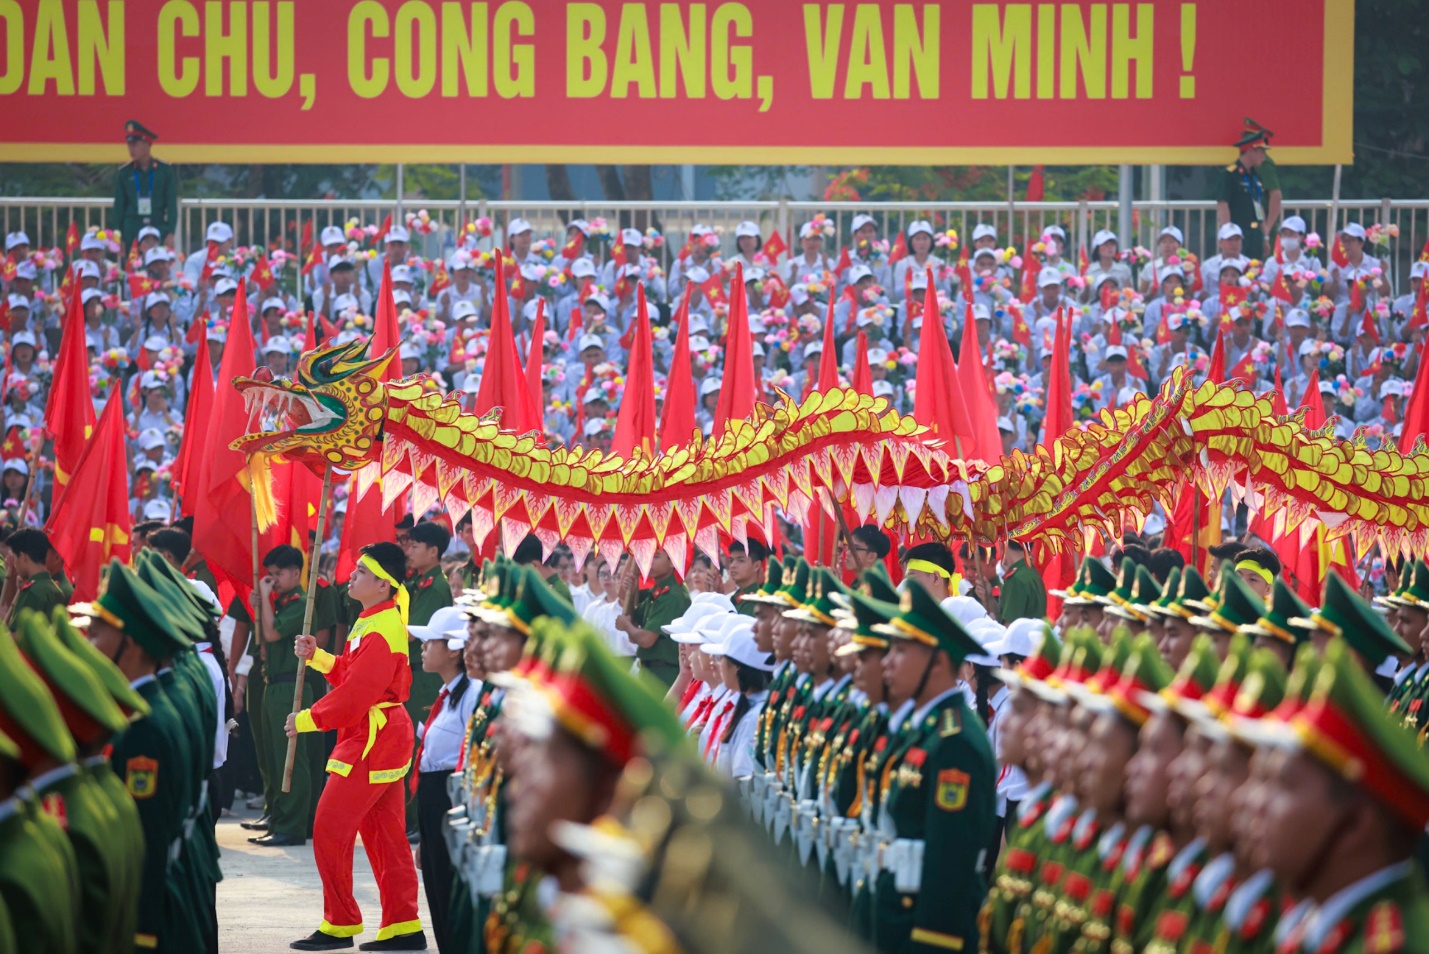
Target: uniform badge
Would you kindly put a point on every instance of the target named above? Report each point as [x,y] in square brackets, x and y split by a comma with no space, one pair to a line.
[53,805]
[141,777]
[1384,929]
[952,791]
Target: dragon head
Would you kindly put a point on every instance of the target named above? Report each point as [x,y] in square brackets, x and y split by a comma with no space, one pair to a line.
[331,414]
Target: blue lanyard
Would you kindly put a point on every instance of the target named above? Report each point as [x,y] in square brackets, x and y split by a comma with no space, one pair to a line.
[1247,178]
[151,179]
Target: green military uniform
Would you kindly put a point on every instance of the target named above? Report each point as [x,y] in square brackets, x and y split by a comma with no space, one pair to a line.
[146,197]
[557,585]
[666,600]
[66,588]
[200,571]
[742,605]
[429,592]
[35,882]
[1024,595]
[288,813]
[38,594]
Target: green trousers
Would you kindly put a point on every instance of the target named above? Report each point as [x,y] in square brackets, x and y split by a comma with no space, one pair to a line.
[254,704]
[288,812]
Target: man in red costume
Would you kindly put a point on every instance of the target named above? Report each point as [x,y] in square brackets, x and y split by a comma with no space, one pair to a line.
[374,752]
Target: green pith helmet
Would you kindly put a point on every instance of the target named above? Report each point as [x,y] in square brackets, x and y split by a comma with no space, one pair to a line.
[534,599]
[867,614]
[1125,580]
[1237,605]
[74,686]
[185,613]
[1161,605]
[1413,589]
[1346,615]
[1143,673]
[1093,580]
[821,606]
[109,675]
[1191,594]
[28,713]
[922,620]
[1187,690]
[795,591]
[134,608]
[1275,623]
[769,591]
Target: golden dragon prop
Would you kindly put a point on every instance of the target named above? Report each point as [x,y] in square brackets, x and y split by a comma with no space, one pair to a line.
[838,447]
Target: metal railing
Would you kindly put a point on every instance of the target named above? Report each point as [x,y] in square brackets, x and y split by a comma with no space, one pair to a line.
[280,222]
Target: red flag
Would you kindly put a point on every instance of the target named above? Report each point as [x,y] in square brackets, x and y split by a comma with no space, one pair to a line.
[1416,411]
[13,447]
[69,413]
[503,379]
[677,417]
[1368,326]
[198,330]
[8,268]
[776,291]
[1280,288]
[219,498]
[330,330]
[635,424]
[572,249]
[774,247]
[136,258]
[315,258]
[1082,263]
[1356,297]
[844,262]
[535,353]
[1313,402]
[92,526]
[1108,296]
[617,255]
[139,286]
[367,522]
[862,373]
[1184,518]
[310,336]
[828,360]
[899,251]
[196,417]
[441,279]
[739,388]
[686,248]
[714,290]
[72,239]
[1244,370]
[382,232]
[936,402]
[306,242]
[1420,315]
[1029,277]
[1059,383]
[1424,252]
[1021,333]
[1036,186]
[1231,296]
[262,274]
[965,277]
[1337,252]
[972,377]
[1217,372]
[1387,413]
[1278,407]
[577,316]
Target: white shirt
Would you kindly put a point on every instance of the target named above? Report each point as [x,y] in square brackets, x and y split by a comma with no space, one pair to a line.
[689,711]
[602,614]
[736,757]
[441,745]
[1011,782]
[220,689]
[723,695]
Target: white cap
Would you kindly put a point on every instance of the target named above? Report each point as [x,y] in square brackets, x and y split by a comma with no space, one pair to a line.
[224,286]
[699,343]
[1055,229]
[516,226]
[156,298]
[579,224]
[16,463]
[600,301]
[758,349]
[1308,346]
[401,273]
[1297,318]
[747,228]
[883,388]
[920,225]
[1019,639]
[155,343]
[709,386]
[26,269]
[1174,232]
[964,609]
[278,345]
[397,233]
[980,313]
[463,309]
[1354,229]
[147,232]
[590,341]
[13,239]
[631,237]
[1229,230]
[157,510]
[860,220]
[1392,386]
[686,624]
[1294,223]
[858,273]
[1102,237]
[410,352]
[877,356]
[593,394]
[335,260]
[739,645]
[594,426]
[18,301]
[218,232]
[990,253]
[274,302]
[152,437]
[1172,271]
[754,274]
[1327,387]
[816,346]
[1005,424]
[90,241]
[158,254]
[442,624]
[144,463]
[1048,277]
[150,380]
[1116,351]
[631,269]
[698,323]
[799,294]
[23,338]
[808,229]
[332,235]
[697,274]
[89,295]
[583,268]
[84,268]
[919,280]
[983,230]
[401,297]
[1419,269]
[345,301]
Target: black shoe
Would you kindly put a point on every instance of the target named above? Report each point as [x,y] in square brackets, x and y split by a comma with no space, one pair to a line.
[318,941]
[259,825]
[416,941]
[278,840]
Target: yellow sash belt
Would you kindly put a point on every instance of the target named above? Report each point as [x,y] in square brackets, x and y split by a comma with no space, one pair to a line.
[376,719]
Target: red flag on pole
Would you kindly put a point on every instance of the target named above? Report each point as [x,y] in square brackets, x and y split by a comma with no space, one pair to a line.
[1059,383]
[1029,277]
[862,372]
[262,274]
[306,242]
[503,379]
[677,418]
[774,247]
[314,259]
[899,250]
[965,276]
[1217,372]
[1416,411]
[69,413]
[936,403]
[828,360]
[739,388]
[1036,186]
[196,423]
[572,249]
[92,526]
[1277,397]
[535,354]
[635,424]
[382,232]
[844,262]
[1313,403]
[972,377]
[1337,252]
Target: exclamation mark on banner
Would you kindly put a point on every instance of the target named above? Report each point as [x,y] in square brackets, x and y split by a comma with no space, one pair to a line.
[1188,50]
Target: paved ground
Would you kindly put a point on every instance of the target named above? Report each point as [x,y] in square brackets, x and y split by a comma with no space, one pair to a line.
[270,896]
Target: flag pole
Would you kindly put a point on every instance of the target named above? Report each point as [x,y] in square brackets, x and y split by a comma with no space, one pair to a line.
[307,621]
[36,442]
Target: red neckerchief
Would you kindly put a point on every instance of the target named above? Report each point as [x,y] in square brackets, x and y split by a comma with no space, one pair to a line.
[712,746]
[690,691]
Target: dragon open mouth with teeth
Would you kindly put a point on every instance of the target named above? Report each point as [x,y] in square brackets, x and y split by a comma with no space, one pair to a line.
[838,447]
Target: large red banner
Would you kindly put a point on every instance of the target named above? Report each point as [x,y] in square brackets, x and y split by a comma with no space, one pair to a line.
[763,81]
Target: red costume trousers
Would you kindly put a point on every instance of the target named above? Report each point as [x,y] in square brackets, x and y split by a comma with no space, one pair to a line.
[352,806]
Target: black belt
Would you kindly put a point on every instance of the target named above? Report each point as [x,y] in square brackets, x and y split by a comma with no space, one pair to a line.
[281,677]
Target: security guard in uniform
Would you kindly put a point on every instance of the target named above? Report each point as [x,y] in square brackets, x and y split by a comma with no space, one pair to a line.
[666,600]
[146,191]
